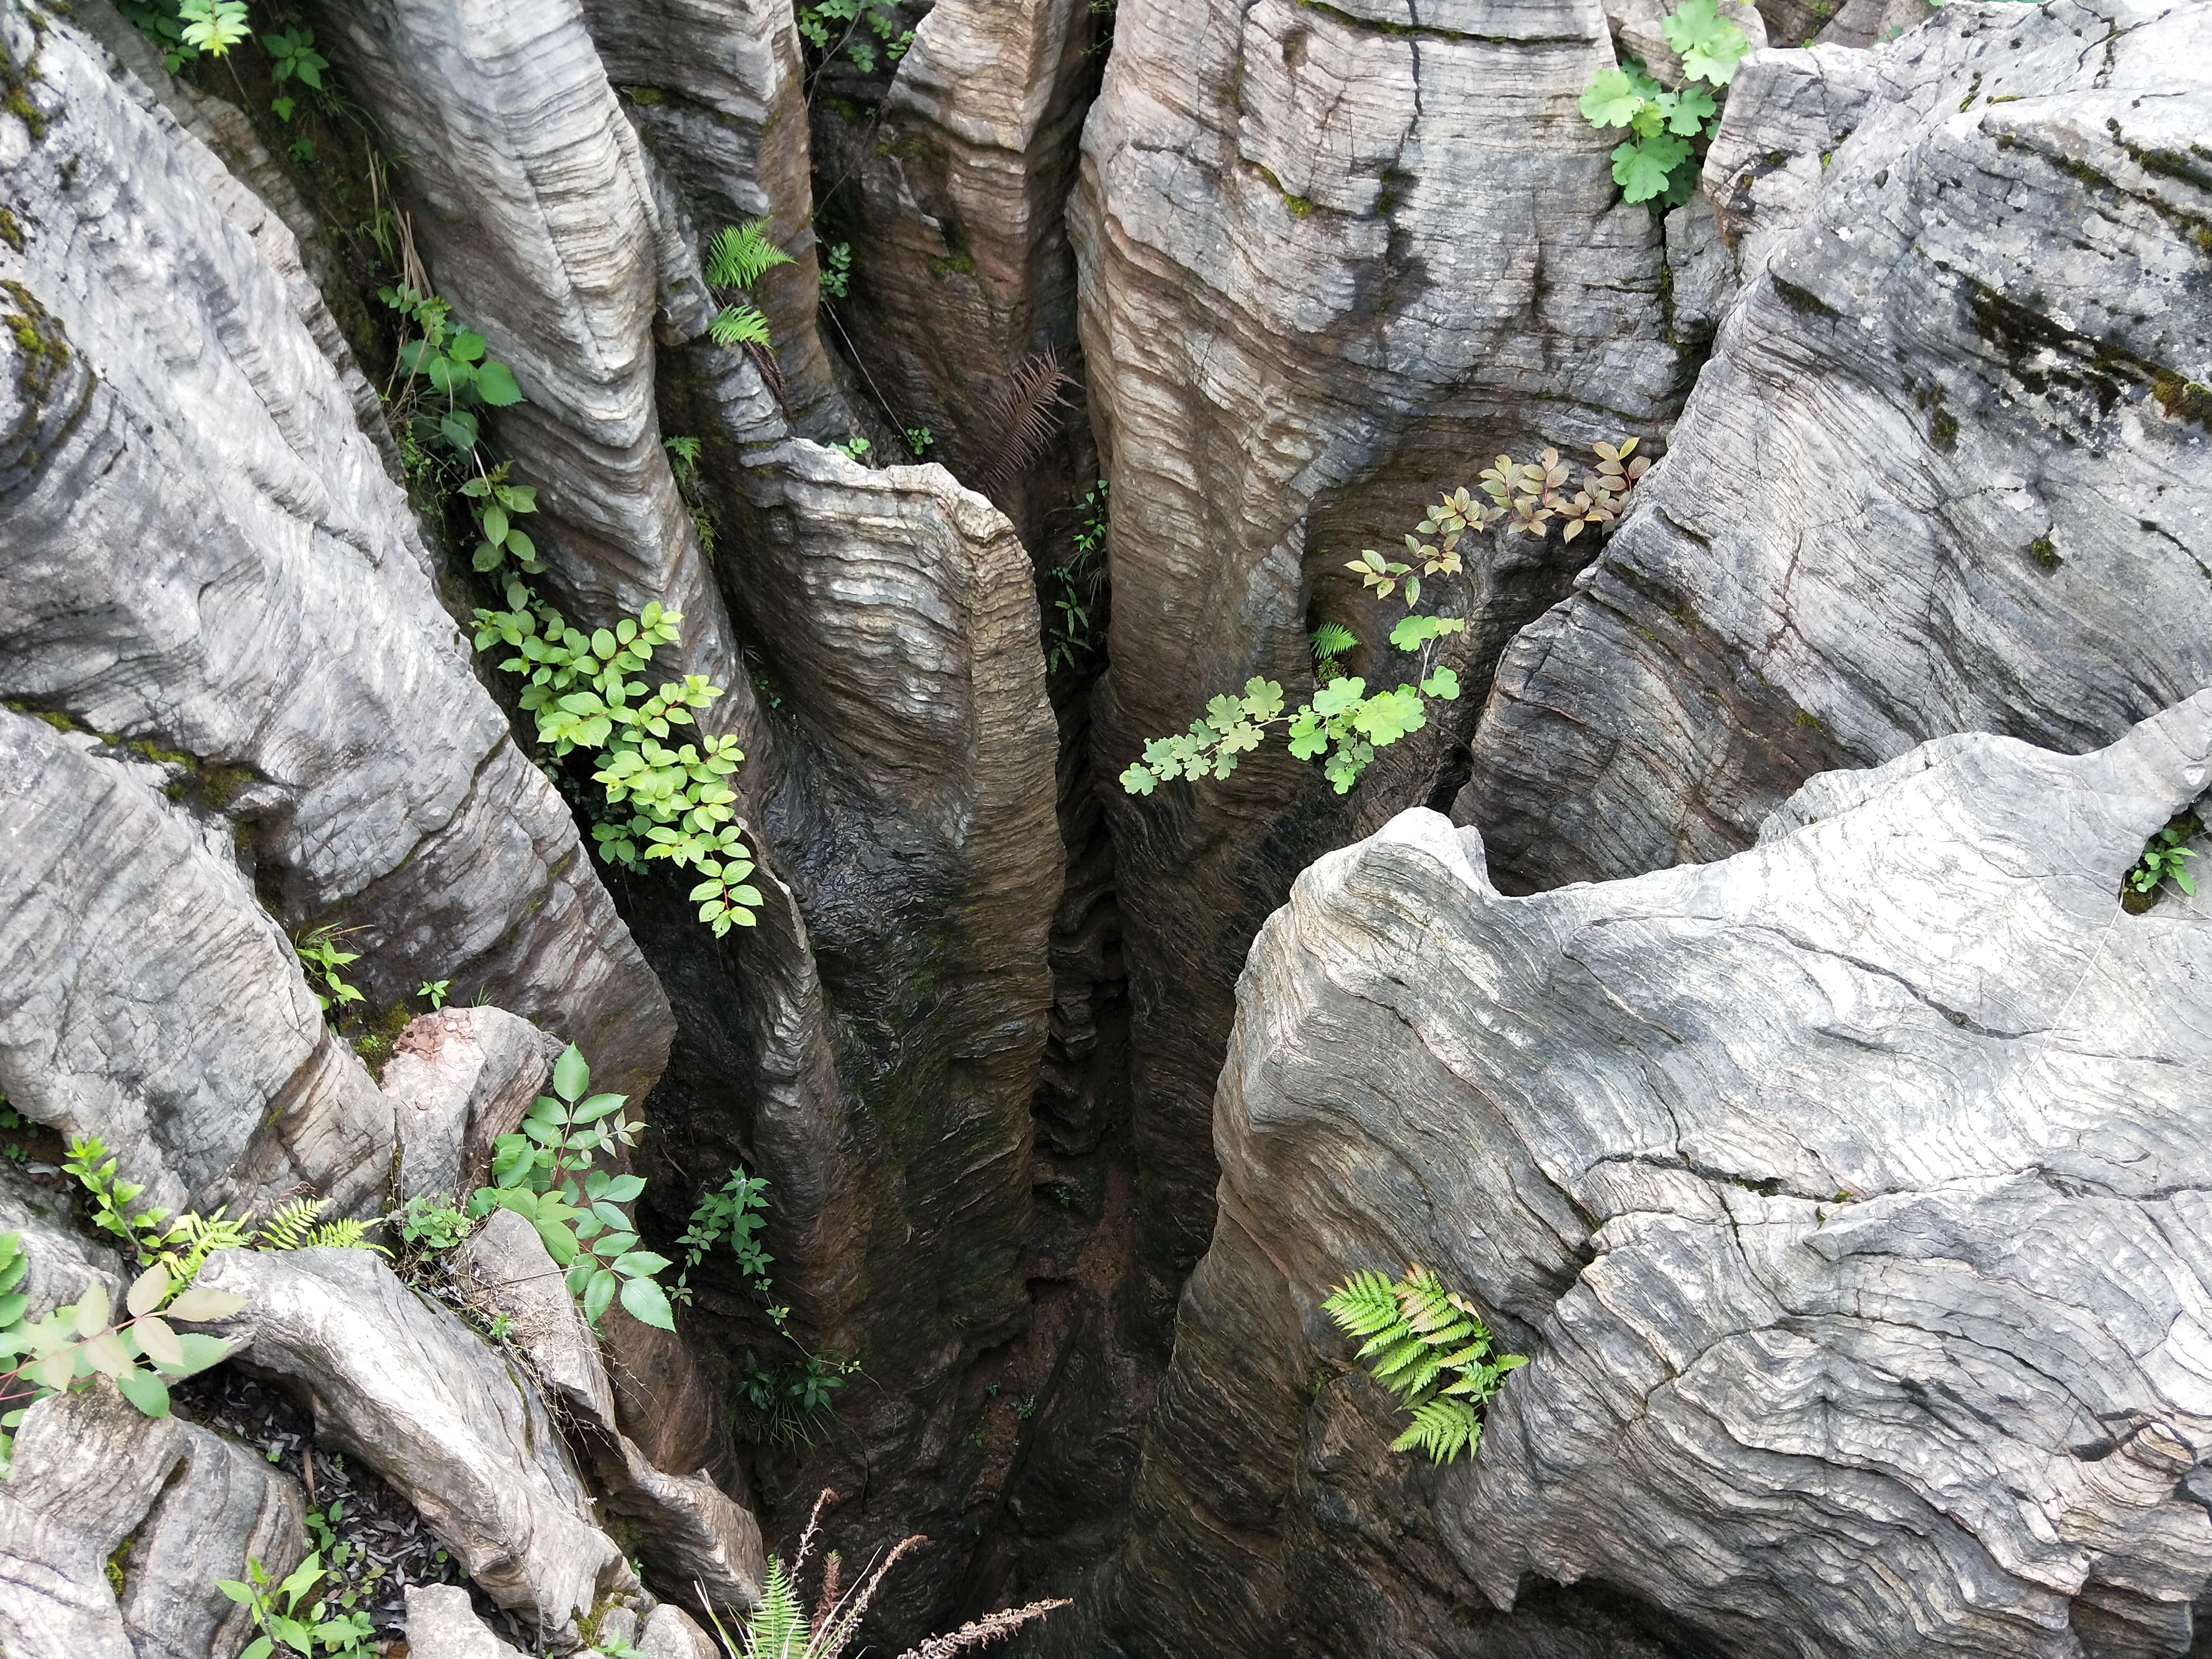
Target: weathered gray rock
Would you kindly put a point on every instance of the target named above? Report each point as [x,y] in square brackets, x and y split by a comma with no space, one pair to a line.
[102,1496]
[671,1634]
[1333,261]
[147,999]
[1946,470]
[441,1624]
[203,552]
[1849,1196]
[405,1386]
[457,1079]
[962,264]
[688,1531]
[538,221]
[715,92]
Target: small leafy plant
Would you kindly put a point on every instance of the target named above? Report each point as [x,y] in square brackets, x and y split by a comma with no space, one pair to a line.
[545,1174]
[820,20]
[1343,722]
[919,439]
[318,1627]
[1074,628]
[434,992]
[432,1222]
[1330,643]
[1658,162]
[737,1211]
[789,1402]
[582,693]
[2161,860]
[293,56]
[836,269]
[141,1353]
[321,957]
[1428,1347]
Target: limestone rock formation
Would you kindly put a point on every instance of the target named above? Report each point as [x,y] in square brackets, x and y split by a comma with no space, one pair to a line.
[1847,1195]
[1332,261]
[204,555]
[457,1079]
[146,997]
[1946,469]
[441,1624]
[407,1389]
[964,268]
[114,1527]
[715,92]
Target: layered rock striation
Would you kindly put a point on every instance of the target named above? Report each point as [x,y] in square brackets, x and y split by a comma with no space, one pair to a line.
[1945,470]
[1843,1194]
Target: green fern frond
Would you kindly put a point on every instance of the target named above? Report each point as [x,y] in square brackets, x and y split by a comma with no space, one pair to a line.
[777,1627]
[344,1235]
[1474,1354]
[1442,1429]
[193,1238]
[292,1227]
[1365,1305]
[741,254]
[1333,640]
[736,325]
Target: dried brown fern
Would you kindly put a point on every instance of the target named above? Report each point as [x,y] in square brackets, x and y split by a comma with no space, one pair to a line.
[1024,415]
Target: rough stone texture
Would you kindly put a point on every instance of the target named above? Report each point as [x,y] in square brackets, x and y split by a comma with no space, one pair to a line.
[1850,1196]
[1946,470]
[149,1001]
[441,1624]
[670,1634]
[715,91]
[173,1505]
[688,1531]
[1332,261]
[404,1386]
[202,552]
[538,220]
[960,261]
[457,1079]
[63,1262]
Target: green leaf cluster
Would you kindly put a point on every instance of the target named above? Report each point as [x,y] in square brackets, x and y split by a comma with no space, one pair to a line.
[819,21]
[452,360]
[293,56]
[320,956]
[432,1222]
[1710,45]
[496,504]
[321,1625]
[1074,625]
[545,1174]
[1343,723]
[1658,161]
[141,1353]
[1430,1348]
[787,1404]
[737,1211]
[2161,860]
[837,271]
[582,691]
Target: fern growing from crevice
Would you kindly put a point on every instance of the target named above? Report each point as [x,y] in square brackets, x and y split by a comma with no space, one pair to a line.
[1025,415]
[1428,1347]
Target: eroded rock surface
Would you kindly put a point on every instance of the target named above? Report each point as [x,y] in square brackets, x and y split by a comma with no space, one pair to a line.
[203,553]
[1332,263]
[1846,1194]
[1946,472]
[114,1527]
[403,1385]
[457,1079]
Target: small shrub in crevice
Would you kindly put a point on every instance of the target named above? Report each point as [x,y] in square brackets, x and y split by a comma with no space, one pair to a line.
[2165,858]
[318,1627]
[1074,626]
[1658,162]
[1428,1347]
[1343,722]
